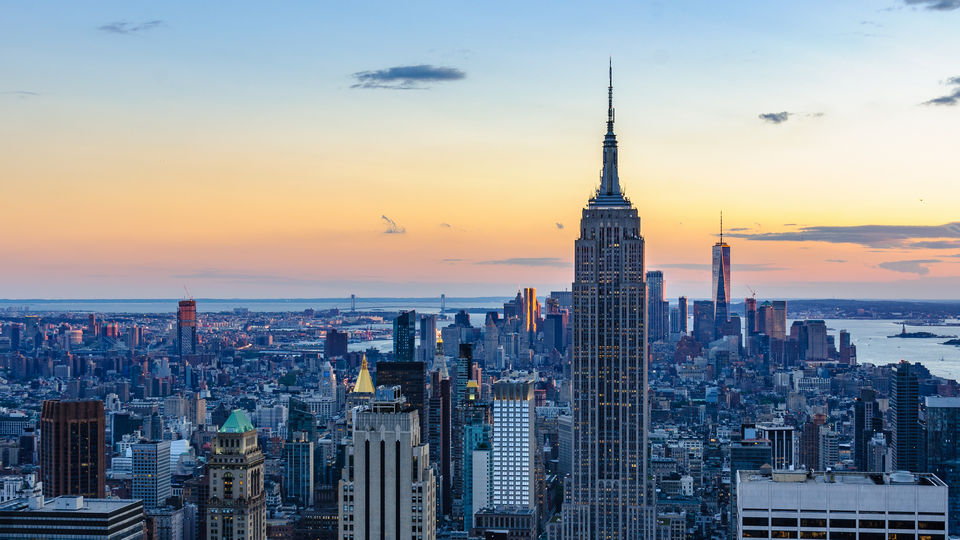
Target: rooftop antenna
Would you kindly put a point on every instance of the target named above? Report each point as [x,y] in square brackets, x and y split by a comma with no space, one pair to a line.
[721,226]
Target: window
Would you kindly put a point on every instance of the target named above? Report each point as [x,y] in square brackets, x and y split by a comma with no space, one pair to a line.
[813,534]
[755,534]
[783,534]
[900,524]
[756,521]
[844,523]
[872,524]
[784,522]
[932,525]
[813,522]
[843,536]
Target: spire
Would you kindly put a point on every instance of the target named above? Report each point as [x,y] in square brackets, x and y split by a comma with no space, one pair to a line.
[364,384]
[721,226]
[609,192]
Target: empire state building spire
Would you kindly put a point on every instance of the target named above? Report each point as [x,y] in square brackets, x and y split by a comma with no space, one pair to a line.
[609,192]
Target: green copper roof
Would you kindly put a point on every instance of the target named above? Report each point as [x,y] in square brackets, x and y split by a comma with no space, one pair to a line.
[237,423]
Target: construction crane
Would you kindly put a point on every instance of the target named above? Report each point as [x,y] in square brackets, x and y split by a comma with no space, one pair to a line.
[752,292]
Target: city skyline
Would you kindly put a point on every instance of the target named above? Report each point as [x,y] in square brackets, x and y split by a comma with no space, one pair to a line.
[240,155]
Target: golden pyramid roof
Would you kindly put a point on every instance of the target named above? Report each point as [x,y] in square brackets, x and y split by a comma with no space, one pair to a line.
[364,382]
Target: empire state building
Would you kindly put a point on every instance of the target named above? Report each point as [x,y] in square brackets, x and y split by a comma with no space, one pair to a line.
[606,492]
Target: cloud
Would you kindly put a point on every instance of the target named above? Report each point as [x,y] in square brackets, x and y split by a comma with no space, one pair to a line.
[836,260]
[936,5]
[451,260]
[554,262]
[738,229]
[953,97]
[775,118]
[746,267]
[124,27]
[406,77]
[909,267]
[19,93]
[936,244]
[392,227]
[446,225]
[559,225]
[876,236]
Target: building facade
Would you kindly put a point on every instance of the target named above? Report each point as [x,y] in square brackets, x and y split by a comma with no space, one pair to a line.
[73,457]
[237,507]
[151,473]
[608,495]
[387,490]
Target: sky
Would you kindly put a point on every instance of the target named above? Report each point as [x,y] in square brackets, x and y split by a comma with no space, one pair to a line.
[319,149]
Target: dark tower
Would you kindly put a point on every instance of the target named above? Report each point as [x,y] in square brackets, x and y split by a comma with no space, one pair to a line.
[904,415]
[72,451]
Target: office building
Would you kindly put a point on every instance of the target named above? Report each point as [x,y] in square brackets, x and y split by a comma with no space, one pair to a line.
[682,314]
[236,508]
[531,311]
[73,458]
[441,435]
[387,490]
[298,457]
[608,495]
[411,377]
[657,315]
[335,344]
[943,450]
[514,444]
[803,504]
[428,338]
[405,336]
[151,473]
[477,463]
[721,282]
[187,339]
[784,445]
[867,421]
[703,321]
[905,431]
[73,517]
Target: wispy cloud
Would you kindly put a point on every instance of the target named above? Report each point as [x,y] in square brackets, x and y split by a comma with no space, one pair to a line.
[19,93]
[746,267]
[555,262]
[124,27]
[559,225]
[950,99]
[406,77]
[836,260]
[876,236]
[916,266]
[936,5]
[775,118]
[936,244]
[392,226]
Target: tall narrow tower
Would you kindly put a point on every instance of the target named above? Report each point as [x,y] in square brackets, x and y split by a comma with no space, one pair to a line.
[237,508]
[721,282]
[607,493]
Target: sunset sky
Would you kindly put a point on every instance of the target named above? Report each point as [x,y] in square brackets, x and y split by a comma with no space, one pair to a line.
[318,149]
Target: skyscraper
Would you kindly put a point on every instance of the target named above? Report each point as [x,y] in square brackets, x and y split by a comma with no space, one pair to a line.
[298,457]
[151,473]
[187,327]
[703,327]
[531,310]
[387,490]
[656,316]
[905,422]
[428,338]
[335,344]
[405,336]
[867,421]
[72,452]
[514,445]
[411,377]
[943,449]
[682,308]
[608,487]
[721,281]
[441,428]
[237,507]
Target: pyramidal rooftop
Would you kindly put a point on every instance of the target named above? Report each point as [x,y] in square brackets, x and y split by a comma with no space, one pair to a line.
[237,423]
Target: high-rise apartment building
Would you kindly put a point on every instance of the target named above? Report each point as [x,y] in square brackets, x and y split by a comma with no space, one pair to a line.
[405,336]
[151,473]
[514,444]
[387,490]
[608,496]
[237,507]
[187,339]
[943,450]
[72,448]
[905,440]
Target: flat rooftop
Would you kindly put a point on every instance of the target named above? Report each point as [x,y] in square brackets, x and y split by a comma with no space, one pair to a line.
[847,478]
[68,504]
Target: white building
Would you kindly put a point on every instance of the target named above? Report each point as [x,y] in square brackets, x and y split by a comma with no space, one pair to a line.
[514,445]
[783,444]
[802,504]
